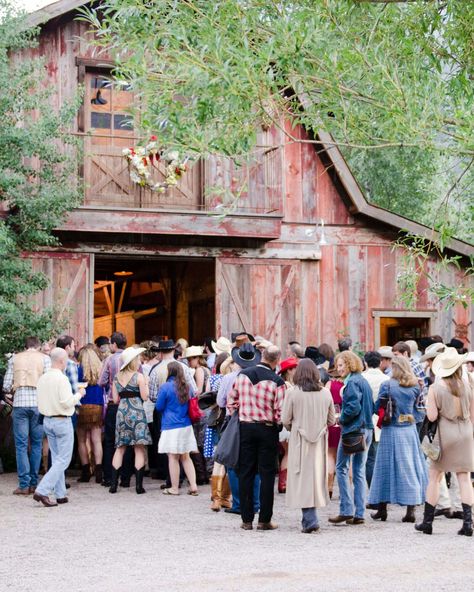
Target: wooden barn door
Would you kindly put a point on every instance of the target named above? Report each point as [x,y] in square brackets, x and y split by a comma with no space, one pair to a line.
[260,296]
[68,291]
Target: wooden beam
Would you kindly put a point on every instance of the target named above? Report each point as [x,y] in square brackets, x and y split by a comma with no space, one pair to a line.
[122,295]
[107,300]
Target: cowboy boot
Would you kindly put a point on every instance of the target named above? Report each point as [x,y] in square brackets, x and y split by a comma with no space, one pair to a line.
[226,497]
[381,513]
[114,480]
[282,480]
[410,515]
[98,474]
[427,525]
[216,485]
[466,529]
[85,474]
[200,468]
[139,473]
[330,484]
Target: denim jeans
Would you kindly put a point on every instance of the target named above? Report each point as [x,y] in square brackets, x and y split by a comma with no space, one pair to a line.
[61,443]
[348,499]
[27,429]
[310,518]
[370,464]
[234,487]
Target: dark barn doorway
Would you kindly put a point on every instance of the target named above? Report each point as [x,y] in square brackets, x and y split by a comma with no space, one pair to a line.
[146,297]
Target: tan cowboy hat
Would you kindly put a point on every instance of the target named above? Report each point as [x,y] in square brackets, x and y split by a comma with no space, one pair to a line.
[194,351]
[130,354]
[222,346]
[432,351]
[385,351]
[447,362]
[226,364]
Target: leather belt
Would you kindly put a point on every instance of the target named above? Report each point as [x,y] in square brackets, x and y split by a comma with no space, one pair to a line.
[57,416]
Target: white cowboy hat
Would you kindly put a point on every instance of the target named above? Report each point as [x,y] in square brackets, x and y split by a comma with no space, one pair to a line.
[194,351]
[130,354]
[448,362]
[385,351]
[432,351]
[222,346]
[470,357]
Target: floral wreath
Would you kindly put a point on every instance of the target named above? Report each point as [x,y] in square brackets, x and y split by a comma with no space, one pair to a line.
[142,159]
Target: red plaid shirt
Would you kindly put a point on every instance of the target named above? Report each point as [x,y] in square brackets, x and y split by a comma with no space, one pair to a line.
[258,394]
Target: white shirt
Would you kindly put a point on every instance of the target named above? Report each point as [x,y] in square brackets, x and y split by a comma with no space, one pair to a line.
[375,377]
[55,394]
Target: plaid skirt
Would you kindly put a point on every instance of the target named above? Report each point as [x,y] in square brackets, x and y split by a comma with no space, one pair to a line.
[400,472]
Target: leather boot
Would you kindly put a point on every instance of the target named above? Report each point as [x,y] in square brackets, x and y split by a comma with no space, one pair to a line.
[226,496]
[466,529]
[410,515]
[216,490]
[139,480]
[381,513]
[427,525]
[85,474]
[98,474]
[282,480]
[330,485]
[200,468]
[114,480]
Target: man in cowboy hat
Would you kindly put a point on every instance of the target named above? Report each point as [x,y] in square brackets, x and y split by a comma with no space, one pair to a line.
[258,398]
[386,355]
[430,354]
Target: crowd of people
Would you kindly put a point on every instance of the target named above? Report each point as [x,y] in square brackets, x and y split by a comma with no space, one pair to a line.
[392,426]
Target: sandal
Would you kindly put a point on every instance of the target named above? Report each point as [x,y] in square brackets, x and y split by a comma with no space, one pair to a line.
[193,492]
[168,491]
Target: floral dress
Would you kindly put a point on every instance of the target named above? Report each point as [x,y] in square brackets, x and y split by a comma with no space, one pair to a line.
[131,426]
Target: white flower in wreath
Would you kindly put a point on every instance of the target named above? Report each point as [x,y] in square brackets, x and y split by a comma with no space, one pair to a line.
[172,156]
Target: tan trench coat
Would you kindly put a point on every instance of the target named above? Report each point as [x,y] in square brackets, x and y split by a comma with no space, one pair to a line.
[307,415]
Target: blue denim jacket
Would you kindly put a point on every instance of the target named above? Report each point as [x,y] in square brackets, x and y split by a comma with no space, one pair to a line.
[404,398]
[357,405]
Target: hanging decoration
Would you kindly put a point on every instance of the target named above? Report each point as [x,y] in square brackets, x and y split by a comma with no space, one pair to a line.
[142,160]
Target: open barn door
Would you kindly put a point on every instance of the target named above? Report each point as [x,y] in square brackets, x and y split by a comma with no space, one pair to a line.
[260,296]
[68,291]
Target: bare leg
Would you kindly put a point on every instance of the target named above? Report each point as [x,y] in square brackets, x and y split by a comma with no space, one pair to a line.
[139,456]
[331,468]
[465,488]
[82,445]
[118,457]
[432,491]
[173,464]
[96,440]
[189,470]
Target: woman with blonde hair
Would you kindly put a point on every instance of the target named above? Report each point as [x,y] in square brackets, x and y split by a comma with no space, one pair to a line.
[356,421]
[451,404]
[400,473]
[130,390]
[89,421]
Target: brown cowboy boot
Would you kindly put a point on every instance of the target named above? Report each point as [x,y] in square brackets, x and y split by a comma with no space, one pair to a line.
[226,495]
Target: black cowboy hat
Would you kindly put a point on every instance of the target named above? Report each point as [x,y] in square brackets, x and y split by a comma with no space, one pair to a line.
[166,345]
[456,343]
[246,355]
[234,336]
[314,354]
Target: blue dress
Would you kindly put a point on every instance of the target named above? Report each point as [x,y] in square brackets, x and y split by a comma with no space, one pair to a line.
[400,472]
[131,426]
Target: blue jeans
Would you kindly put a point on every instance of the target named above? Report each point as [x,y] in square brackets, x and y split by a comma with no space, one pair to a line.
[310,518]
[347,498]
[370,464]
[61,442]
[234,487]
[27,429]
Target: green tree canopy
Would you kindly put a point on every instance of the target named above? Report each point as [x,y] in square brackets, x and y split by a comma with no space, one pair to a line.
[38,182]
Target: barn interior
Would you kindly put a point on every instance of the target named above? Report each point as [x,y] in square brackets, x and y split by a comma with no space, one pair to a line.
[146,297]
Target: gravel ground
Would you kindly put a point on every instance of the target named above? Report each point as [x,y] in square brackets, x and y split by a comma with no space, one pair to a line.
[133,543]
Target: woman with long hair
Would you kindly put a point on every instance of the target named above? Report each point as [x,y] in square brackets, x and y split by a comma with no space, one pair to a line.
[400,472]
[451,404]
[89,421]
[287,372]
[307,412]
[130,390]
[177,438]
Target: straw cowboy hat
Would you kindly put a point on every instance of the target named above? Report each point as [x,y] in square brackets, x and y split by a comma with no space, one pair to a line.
[222,346]
[447,362]
[130,354]
[432,351]
[194,351]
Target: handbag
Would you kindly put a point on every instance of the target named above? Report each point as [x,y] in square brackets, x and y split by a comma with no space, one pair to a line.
[195,414]
[353,443]
[228,448]
[389,409]
[431,442]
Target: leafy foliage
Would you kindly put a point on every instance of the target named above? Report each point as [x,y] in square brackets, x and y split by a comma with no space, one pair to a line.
[37,180]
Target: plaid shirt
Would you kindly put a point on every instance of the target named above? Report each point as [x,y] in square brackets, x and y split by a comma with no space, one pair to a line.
[24,396]
[258,394]
[109,371]
[420,374]
[72,372]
